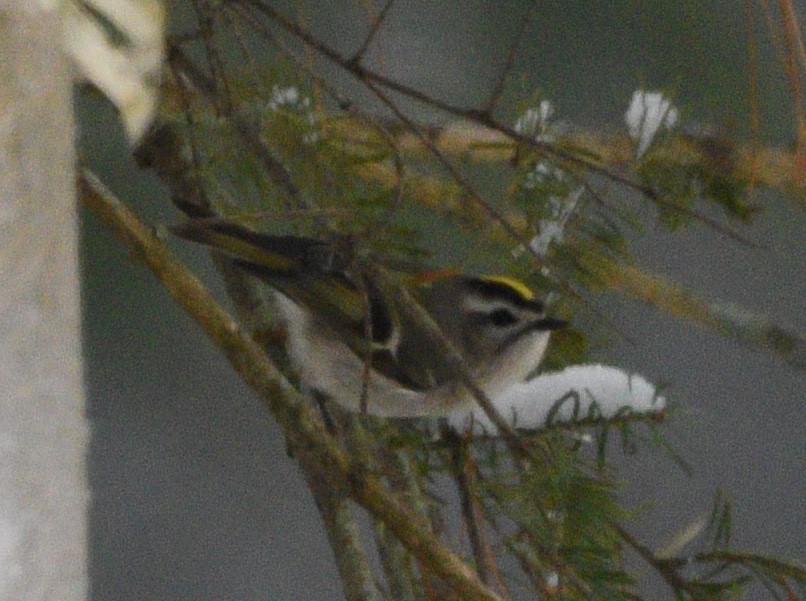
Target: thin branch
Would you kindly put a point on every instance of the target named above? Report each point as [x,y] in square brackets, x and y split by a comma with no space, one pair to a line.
[793,36]
[464,473]
[405,479]
[537,556]
[469,514]
[670,568]
[784,567]
[397,565]
[374,28]
[752,84]
[746,327]
[404,580]
[498,89]
[479,144]
[491,211]
[265,32]
[486,121]
[342,531]
[220,82]
[236,28]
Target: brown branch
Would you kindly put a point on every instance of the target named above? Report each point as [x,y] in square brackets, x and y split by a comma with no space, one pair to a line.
[497,218]
[752,82]
[480,143]
[374,28]
[491,211]
[221,87]
[371,121]
[465,475]
[498,89]
[509,134]
[355,573]
[470,516]
[793,35]
[749,329]
[405,582]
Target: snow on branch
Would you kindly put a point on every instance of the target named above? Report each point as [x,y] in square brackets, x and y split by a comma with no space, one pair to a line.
[647,113]
[577,393]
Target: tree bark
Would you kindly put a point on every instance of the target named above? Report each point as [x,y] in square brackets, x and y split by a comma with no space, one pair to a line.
[43,433]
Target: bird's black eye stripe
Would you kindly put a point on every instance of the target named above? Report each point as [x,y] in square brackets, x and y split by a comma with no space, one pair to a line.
[502,318]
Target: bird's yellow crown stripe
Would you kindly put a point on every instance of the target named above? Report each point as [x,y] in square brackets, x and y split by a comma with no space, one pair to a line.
[518,286]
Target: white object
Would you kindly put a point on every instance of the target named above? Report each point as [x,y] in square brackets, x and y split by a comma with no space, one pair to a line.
[647,113]
[576,392]
[128,74]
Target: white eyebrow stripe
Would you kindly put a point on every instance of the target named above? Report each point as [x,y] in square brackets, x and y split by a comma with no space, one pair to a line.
[480,305]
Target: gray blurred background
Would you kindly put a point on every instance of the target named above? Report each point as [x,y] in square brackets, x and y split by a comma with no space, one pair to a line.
[194,497]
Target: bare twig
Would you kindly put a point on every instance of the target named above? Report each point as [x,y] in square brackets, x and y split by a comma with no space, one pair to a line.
[752,84]
[405,583]
[355,573]
[374,28]
[465,473]
[494,214]
[235,28]
[498,89]
[793,36]
[222,96]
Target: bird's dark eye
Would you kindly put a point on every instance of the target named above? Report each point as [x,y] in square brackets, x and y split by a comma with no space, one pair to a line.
[502,318]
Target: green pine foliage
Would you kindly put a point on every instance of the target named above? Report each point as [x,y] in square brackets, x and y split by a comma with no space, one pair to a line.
[360,178]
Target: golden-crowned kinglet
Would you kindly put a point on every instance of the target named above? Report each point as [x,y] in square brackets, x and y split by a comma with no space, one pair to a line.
[328,307]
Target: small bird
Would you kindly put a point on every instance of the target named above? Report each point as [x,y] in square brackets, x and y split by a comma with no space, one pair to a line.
[348,341]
